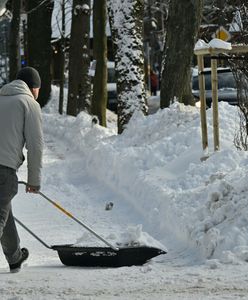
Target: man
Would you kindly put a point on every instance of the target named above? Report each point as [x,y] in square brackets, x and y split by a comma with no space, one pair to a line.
[20,125]
[154,83]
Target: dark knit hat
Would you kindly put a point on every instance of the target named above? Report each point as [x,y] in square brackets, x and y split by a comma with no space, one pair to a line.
[30,76]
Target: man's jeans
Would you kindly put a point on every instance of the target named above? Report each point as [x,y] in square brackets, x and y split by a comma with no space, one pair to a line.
[8,233]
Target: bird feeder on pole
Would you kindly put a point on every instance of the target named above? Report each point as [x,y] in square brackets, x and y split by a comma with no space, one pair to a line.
[214,53]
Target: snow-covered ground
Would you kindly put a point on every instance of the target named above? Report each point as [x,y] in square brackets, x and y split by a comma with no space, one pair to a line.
[163,195]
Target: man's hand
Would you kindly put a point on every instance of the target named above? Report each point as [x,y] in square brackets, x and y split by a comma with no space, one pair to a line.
[32,189]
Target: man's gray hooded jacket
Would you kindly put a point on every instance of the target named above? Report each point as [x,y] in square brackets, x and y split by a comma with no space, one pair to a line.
[20,124]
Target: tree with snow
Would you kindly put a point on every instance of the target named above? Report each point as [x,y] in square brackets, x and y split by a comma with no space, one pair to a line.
[79,58]
[99,98]
[126,21]
[182,27]
[239,67]
[62,58]
[39,43]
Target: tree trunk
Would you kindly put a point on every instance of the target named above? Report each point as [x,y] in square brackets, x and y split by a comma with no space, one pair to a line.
[39,43]
[62,59]
[99,99]
[126,19]
[14,41]
[183,26]
[79,58]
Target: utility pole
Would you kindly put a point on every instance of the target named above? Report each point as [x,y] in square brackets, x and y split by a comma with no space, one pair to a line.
[150,47]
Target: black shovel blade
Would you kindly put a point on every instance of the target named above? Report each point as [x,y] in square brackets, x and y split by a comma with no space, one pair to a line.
[105,256]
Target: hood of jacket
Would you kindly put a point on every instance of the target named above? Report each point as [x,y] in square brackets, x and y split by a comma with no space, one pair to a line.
[15,87]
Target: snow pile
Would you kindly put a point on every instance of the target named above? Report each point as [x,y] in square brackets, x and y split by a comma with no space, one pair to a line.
[214,43]
[201,44]
[155,166]
[221,226]
[220,44]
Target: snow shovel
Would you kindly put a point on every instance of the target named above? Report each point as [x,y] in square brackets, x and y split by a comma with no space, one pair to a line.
[110,256]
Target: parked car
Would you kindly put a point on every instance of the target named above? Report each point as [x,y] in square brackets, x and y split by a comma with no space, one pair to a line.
[111,87]
[111,84]
[227,89]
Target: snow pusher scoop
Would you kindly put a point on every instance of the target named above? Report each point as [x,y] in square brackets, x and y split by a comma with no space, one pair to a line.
[110,256]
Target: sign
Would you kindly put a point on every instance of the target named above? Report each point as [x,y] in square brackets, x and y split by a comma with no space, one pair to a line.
[222,34]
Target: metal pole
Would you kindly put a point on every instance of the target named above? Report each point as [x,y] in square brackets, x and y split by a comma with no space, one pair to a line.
[33,234]
[214,80]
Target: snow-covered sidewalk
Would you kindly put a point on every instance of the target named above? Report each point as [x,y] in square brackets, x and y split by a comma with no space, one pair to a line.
[163,195]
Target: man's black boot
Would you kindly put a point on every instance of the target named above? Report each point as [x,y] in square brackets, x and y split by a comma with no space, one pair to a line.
[17,266]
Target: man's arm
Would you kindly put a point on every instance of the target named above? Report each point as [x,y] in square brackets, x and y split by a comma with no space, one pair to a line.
[34,143]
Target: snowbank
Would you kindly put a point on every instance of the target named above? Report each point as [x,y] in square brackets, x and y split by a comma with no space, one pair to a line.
[155,166]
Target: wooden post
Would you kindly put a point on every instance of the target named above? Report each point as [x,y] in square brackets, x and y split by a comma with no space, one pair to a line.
[200,53]
[200,61]
[214,80]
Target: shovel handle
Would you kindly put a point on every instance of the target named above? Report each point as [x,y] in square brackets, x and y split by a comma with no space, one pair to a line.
[32,233]
[73,218]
